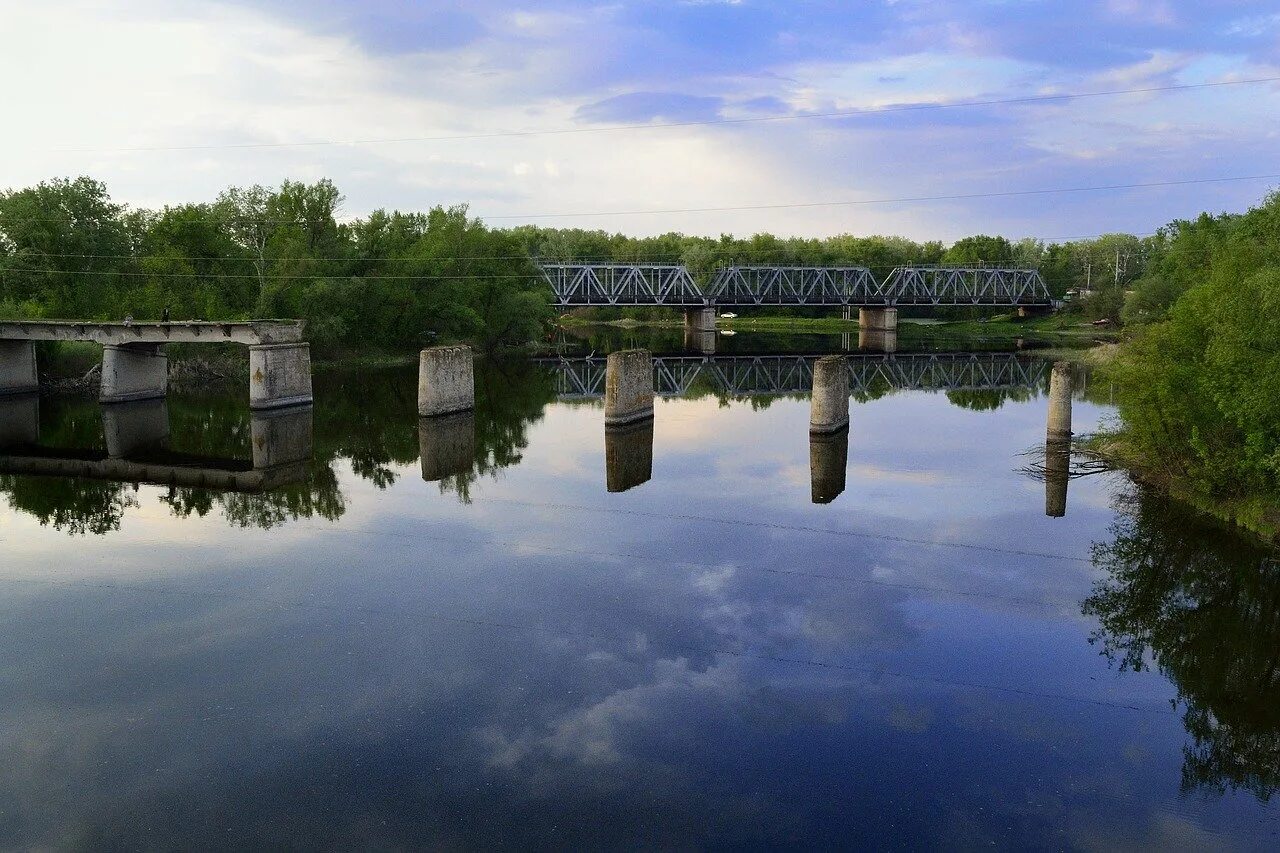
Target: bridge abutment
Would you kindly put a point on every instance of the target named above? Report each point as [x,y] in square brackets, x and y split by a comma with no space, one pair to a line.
[829,401]
[628,387]
[133,372]
[446,381]
[700,319]
[279,375]
[878,319]
[18,368]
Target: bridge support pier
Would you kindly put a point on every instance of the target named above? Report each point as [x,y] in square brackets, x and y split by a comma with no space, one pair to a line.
[19,420]
[446,445]
[446,381]
[135,426]
[879,319]
[133,372]
[18,368]
[628,455]
[628,387]
[279,375]
[829,402]
[1060,388]
[700,319]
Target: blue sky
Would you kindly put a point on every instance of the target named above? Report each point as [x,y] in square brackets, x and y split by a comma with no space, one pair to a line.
[145,74]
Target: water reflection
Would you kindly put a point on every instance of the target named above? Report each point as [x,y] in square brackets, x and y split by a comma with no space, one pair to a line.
[1202,605]
[447,445]
[628,455]
[828,464]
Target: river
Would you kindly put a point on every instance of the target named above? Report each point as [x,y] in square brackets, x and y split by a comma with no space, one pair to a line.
[511,631]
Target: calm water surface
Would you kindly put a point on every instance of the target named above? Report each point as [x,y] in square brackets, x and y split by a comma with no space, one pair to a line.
[655,640]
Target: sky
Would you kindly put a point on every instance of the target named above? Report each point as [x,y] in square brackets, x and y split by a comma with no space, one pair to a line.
[170,101]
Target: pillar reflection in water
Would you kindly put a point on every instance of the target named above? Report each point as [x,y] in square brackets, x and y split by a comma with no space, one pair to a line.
[628,456]
[135,428]
[447,445]
[877,340]
[1057,445]
[19,420]
[281,437]
[828,461]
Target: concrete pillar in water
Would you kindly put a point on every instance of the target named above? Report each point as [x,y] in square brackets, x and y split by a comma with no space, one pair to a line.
[1060,388]
[133,428]
[279,375]
[133,372]
[700,319]
[628,455]
[19,420]
[628,387]
[281,437]
[876,340]
[447,445]
[1057,465]
[18,368]
[829,402]
[828,460]
[882,319]
[446,381]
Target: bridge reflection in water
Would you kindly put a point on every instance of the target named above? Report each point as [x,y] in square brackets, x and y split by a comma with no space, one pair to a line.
[136,449]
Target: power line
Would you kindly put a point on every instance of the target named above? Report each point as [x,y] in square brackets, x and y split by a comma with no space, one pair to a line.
[865,111]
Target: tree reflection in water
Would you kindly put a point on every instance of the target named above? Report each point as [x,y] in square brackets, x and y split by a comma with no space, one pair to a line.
[1203,603]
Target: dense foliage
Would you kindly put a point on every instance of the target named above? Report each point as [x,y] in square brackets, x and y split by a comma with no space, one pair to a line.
[1199,385]
[389,280]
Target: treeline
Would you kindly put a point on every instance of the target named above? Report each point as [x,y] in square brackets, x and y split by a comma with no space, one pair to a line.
[1199,384]
[390,280]
[397,281]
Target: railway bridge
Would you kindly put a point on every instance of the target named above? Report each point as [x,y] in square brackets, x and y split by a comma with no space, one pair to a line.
[877,301]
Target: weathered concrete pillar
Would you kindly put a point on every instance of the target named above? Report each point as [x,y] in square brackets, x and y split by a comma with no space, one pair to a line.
[1060,382]
[447,445]
[1057,468]
[882,319]
[135,427]
[700,319]
[628,455]
[133,372]
[18,368]
[281,437]
[875,340]
[19,420]
[828,460]
[829,402]
[446,381]
[628,387]
[279,375]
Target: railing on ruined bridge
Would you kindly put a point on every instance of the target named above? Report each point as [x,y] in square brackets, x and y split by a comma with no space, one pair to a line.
[673,376]
[672,284]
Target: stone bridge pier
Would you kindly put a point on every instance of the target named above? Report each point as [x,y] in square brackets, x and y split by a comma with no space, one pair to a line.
[700,319]
[1057,443]
[878,319]
[18,368]
[133,372]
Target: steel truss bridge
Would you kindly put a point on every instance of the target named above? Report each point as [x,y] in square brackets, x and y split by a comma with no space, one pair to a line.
[673,285]
[762,375]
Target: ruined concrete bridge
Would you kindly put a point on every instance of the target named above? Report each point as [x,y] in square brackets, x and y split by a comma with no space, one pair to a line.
[759,375]
[796,286]
[135,366]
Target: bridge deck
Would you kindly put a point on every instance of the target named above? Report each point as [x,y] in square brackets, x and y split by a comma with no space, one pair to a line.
[251,332]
